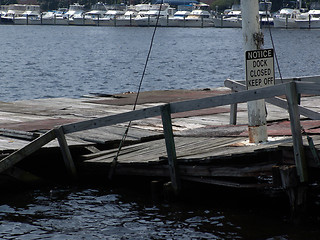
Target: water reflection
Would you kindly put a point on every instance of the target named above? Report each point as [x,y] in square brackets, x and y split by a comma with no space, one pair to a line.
[101,213]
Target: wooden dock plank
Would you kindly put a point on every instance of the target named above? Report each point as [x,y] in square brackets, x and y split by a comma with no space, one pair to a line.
[186,148]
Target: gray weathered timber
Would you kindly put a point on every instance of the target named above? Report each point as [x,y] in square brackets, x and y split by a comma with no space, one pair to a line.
[227,99]
[308,88]
[292,98]
[233,112]
[225,183]
[312,79]
[170,146]
[68,161]
[22,175]
[236,86]
[111,120]
[178,107]
[113,134]
[18,134]
[20,154]
[196,170]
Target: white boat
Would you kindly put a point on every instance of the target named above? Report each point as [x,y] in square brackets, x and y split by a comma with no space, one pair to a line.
[109,18]
[179,19]
[181,14]
[97,11]
[154,14]
[56,17]
[232,17]
[127,19]
[287,17]
[75,11]
[3,12]
[312,20]
[199,17]
[14,10]
[30,16]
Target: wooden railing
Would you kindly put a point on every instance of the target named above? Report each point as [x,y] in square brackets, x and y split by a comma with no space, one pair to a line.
[238,86]
[292,90]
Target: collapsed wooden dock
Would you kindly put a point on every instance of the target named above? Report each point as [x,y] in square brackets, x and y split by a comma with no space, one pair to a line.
[178,135]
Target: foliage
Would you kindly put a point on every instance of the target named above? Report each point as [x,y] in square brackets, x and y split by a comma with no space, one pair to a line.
[223,4]
[7,2]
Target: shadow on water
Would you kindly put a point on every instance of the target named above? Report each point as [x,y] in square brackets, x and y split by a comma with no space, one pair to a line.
[125,209]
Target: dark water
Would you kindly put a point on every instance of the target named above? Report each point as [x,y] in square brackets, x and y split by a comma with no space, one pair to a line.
[62,61]
[113,213]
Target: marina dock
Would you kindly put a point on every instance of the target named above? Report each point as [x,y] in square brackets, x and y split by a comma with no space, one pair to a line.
[178,136]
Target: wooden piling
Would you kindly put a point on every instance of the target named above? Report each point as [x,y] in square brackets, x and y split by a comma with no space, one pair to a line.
[292,98]
[68,161]
[170,146]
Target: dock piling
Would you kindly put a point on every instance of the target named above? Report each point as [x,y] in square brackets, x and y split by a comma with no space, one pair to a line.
[292,99]
[68,161]
[171,151]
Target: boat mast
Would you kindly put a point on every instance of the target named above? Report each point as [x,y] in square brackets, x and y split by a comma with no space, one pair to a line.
[253,40]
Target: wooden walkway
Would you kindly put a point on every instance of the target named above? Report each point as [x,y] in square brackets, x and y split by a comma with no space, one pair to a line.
[206,147]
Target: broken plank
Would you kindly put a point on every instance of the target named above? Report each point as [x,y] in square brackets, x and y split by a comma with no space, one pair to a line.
[20,154]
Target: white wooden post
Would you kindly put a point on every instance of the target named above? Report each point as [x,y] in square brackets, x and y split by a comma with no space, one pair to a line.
[253,39]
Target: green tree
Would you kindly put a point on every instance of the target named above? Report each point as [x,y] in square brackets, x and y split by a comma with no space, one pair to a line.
[223,4]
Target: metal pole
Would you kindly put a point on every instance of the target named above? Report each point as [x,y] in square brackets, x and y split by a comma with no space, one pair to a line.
[253,39]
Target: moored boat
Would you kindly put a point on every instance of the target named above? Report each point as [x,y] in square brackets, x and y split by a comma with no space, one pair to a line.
[29,17]
[14,10]
[232,17]
[88,18]
[150,15]
[3,11]
[127,19]
[56,17]
[199,17]
[312,20]
[110,16]
[286,18]
[75,11]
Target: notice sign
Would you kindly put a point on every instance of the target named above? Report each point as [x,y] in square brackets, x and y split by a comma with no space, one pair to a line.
[259,68]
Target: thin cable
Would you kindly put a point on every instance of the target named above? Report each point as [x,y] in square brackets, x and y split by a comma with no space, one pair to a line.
[272,42]
[124,136]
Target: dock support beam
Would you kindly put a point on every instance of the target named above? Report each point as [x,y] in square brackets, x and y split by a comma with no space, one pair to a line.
[299,156]
[68,161]
[171,151]
[297,192]
[233,112]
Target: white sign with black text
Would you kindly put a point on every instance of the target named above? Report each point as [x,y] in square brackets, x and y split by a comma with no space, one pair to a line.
[259,68]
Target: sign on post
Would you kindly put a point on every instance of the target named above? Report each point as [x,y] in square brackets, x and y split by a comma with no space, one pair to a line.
[259,68]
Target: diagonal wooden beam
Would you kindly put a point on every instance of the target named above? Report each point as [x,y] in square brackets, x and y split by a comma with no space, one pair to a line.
[30,148]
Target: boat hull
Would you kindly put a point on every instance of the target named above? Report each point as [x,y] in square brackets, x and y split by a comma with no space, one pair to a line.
[227,22]
[284,23]
[4,20]
[306,24]
[54,21]
[27,21]
[175,22]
